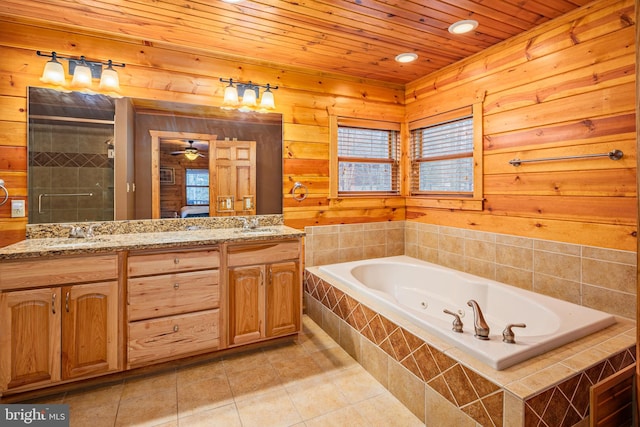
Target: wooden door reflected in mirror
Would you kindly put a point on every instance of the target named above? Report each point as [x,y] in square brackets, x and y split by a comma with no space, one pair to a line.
[232,168]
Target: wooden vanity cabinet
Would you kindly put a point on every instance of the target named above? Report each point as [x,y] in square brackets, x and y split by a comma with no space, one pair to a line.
[89,329]
[173,300]
[30,342]
[264,290]
[56,333]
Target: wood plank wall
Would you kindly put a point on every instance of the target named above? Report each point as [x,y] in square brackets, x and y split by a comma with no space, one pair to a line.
[305,99]
[566,88]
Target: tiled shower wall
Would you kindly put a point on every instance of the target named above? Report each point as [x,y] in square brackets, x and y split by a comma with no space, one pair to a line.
[70,158]
[599,278]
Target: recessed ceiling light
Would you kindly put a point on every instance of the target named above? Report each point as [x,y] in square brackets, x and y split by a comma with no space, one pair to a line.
[232,1]
[462,27]
[406,57]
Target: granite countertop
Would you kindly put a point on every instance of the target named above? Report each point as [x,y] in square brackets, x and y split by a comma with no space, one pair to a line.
[191,236]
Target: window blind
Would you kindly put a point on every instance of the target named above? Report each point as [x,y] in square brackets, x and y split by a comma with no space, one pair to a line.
[367,160]
[442,157]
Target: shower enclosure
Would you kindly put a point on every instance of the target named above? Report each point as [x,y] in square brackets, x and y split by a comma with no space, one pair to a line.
[71,158]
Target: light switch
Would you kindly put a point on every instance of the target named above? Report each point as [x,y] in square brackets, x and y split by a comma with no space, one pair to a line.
[17,208]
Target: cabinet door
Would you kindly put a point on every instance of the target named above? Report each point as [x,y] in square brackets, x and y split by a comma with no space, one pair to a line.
[246,304]
[29,338]
[89,329]
[283,299]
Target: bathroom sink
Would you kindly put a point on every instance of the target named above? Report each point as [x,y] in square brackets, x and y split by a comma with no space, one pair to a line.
[257,231]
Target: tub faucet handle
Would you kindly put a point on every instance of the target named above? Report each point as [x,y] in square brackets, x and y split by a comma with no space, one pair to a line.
[508,336]
[457,323]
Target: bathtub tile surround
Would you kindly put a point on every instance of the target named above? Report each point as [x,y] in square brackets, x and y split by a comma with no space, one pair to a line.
[600,278]
[603,279]
[330,244]
[439,383]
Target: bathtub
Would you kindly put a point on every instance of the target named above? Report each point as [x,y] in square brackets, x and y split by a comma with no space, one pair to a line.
[419,291]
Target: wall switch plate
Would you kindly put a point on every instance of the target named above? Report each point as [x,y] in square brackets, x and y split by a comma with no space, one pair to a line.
[17,208]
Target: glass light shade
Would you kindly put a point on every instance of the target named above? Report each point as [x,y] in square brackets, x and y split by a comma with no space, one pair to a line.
[109,79]
[249,97]
[191,155]
[267,101]
[230,97]
[81,76]
[53,73]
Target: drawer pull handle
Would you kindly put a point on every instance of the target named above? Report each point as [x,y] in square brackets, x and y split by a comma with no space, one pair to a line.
[176,260]
[175,328]
[53,304]
[66,302]
[176,286]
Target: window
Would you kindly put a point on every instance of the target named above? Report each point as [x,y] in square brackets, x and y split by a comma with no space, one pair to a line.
[367,154]
[446,158]
[442,158]
[197,186]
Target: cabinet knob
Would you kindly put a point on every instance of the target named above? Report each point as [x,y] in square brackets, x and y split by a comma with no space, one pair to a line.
[175,328]
[176,286]
[176,260]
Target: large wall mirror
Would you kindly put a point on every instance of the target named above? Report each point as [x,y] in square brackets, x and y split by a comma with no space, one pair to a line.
[96,158]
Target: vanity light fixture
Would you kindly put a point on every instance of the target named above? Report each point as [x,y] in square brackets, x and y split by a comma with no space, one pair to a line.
[249,92]
[464,26]
[83,72]
[406,57]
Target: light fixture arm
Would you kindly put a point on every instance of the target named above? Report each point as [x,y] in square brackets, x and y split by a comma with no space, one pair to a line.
[55,56]
[248,84]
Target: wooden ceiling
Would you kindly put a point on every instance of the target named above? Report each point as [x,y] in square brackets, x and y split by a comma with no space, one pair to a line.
[355,37]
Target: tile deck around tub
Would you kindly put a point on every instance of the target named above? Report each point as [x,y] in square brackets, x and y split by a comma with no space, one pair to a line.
[551,388]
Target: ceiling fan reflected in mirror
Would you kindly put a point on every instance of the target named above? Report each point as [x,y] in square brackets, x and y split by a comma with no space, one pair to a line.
[190,152]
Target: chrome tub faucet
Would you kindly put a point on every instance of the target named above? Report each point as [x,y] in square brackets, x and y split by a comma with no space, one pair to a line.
[480,325]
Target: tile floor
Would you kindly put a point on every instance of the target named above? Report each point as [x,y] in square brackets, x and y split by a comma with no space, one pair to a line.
[311,382]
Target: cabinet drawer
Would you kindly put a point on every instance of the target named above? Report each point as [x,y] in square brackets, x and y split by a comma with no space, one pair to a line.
[172,262]
[263,253]
[57,271]
[170,337]
[171,294]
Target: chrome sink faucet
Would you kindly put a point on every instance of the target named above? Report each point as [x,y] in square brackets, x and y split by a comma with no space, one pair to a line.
[77,232]
[249,223]
[480,325]
[90,232]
